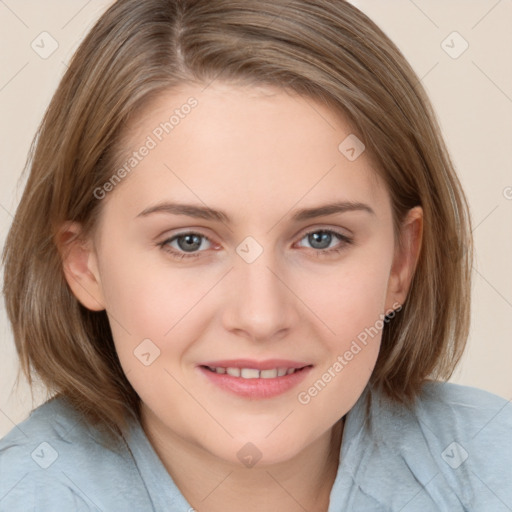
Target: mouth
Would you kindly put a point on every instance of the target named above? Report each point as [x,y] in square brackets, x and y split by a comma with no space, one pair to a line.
[255,380]
[253,373]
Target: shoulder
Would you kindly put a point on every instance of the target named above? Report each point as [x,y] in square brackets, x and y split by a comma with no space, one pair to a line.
[439,397]
[55,461]
[462,416]
[449,411]
[468,433]
[449,450]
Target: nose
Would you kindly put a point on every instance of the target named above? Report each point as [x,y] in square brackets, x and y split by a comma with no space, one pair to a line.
[260,304]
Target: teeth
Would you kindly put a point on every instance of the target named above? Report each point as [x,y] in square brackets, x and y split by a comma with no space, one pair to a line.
[253,373]
[234,372]
[268,374]
[249,373]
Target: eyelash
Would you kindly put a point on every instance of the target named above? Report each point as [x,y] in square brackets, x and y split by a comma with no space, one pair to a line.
[320,252]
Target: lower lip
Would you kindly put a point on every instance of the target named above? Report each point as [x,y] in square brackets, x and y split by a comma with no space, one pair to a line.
[256,388]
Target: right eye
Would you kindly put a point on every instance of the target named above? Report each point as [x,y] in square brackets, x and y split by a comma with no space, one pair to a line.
[187,244]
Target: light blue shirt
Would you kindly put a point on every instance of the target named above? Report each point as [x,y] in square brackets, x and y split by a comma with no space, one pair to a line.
[451,452]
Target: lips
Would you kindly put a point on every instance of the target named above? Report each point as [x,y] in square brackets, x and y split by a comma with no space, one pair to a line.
[255,379]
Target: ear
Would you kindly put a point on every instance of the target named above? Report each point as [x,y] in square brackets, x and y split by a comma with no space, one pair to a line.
[80,266]
[406,257]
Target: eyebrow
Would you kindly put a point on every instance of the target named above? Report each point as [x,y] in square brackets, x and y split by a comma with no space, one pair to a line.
[202,212]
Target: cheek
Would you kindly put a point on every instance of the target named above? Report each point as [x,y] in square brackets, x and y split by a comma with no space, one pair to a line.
[348,298]
[350,304]
[352,307]
[144,302]
[149,299]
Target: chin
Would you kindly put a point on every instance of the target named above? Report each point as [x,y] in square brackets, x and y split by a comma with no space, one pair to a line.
[260,451]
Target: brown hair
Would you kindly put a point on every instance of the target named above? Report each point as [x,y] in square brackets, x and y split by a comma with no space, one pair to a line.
[326,50]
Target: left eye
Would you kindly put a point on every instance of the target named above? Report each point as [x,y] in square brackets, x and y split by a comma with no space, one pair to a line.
[322,238]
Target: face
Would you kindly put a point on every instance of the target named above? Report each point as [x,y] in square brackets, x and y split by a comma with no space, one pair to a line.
[216,251]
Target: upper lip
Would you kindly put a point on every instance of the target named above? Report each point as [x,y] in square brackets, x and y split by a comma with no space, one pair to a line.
[267,364]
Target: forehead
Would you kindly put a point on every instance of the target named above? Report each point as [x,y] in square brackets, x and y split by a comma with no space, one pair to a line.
[249,147]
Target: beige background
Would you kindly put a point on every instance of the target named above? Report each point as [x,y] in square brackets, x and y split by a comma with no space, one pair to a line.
[471,93]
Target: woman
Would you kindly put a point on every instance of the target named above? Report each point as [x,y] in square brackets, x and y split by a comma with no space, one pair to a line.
[258,256]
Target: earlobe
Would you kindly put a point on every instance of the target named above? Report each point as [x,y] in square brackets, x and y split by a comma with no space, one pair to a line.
[406,257]
[79,264]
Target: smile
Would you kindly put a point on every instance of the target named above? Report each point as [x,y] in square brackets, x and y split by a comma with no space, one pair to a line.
[253,373]
[255,380]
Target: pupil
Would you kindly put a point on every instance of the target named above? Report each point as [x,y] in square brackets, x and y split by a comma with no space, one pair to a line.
[192,242]
[316,238]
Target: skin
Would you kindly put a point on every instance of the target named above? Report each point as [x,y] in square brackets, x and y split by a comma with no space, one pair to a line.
[259,154]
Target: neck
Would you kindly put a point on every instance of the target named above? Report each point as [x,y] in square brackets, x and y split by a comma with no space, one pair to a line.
[209,483]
